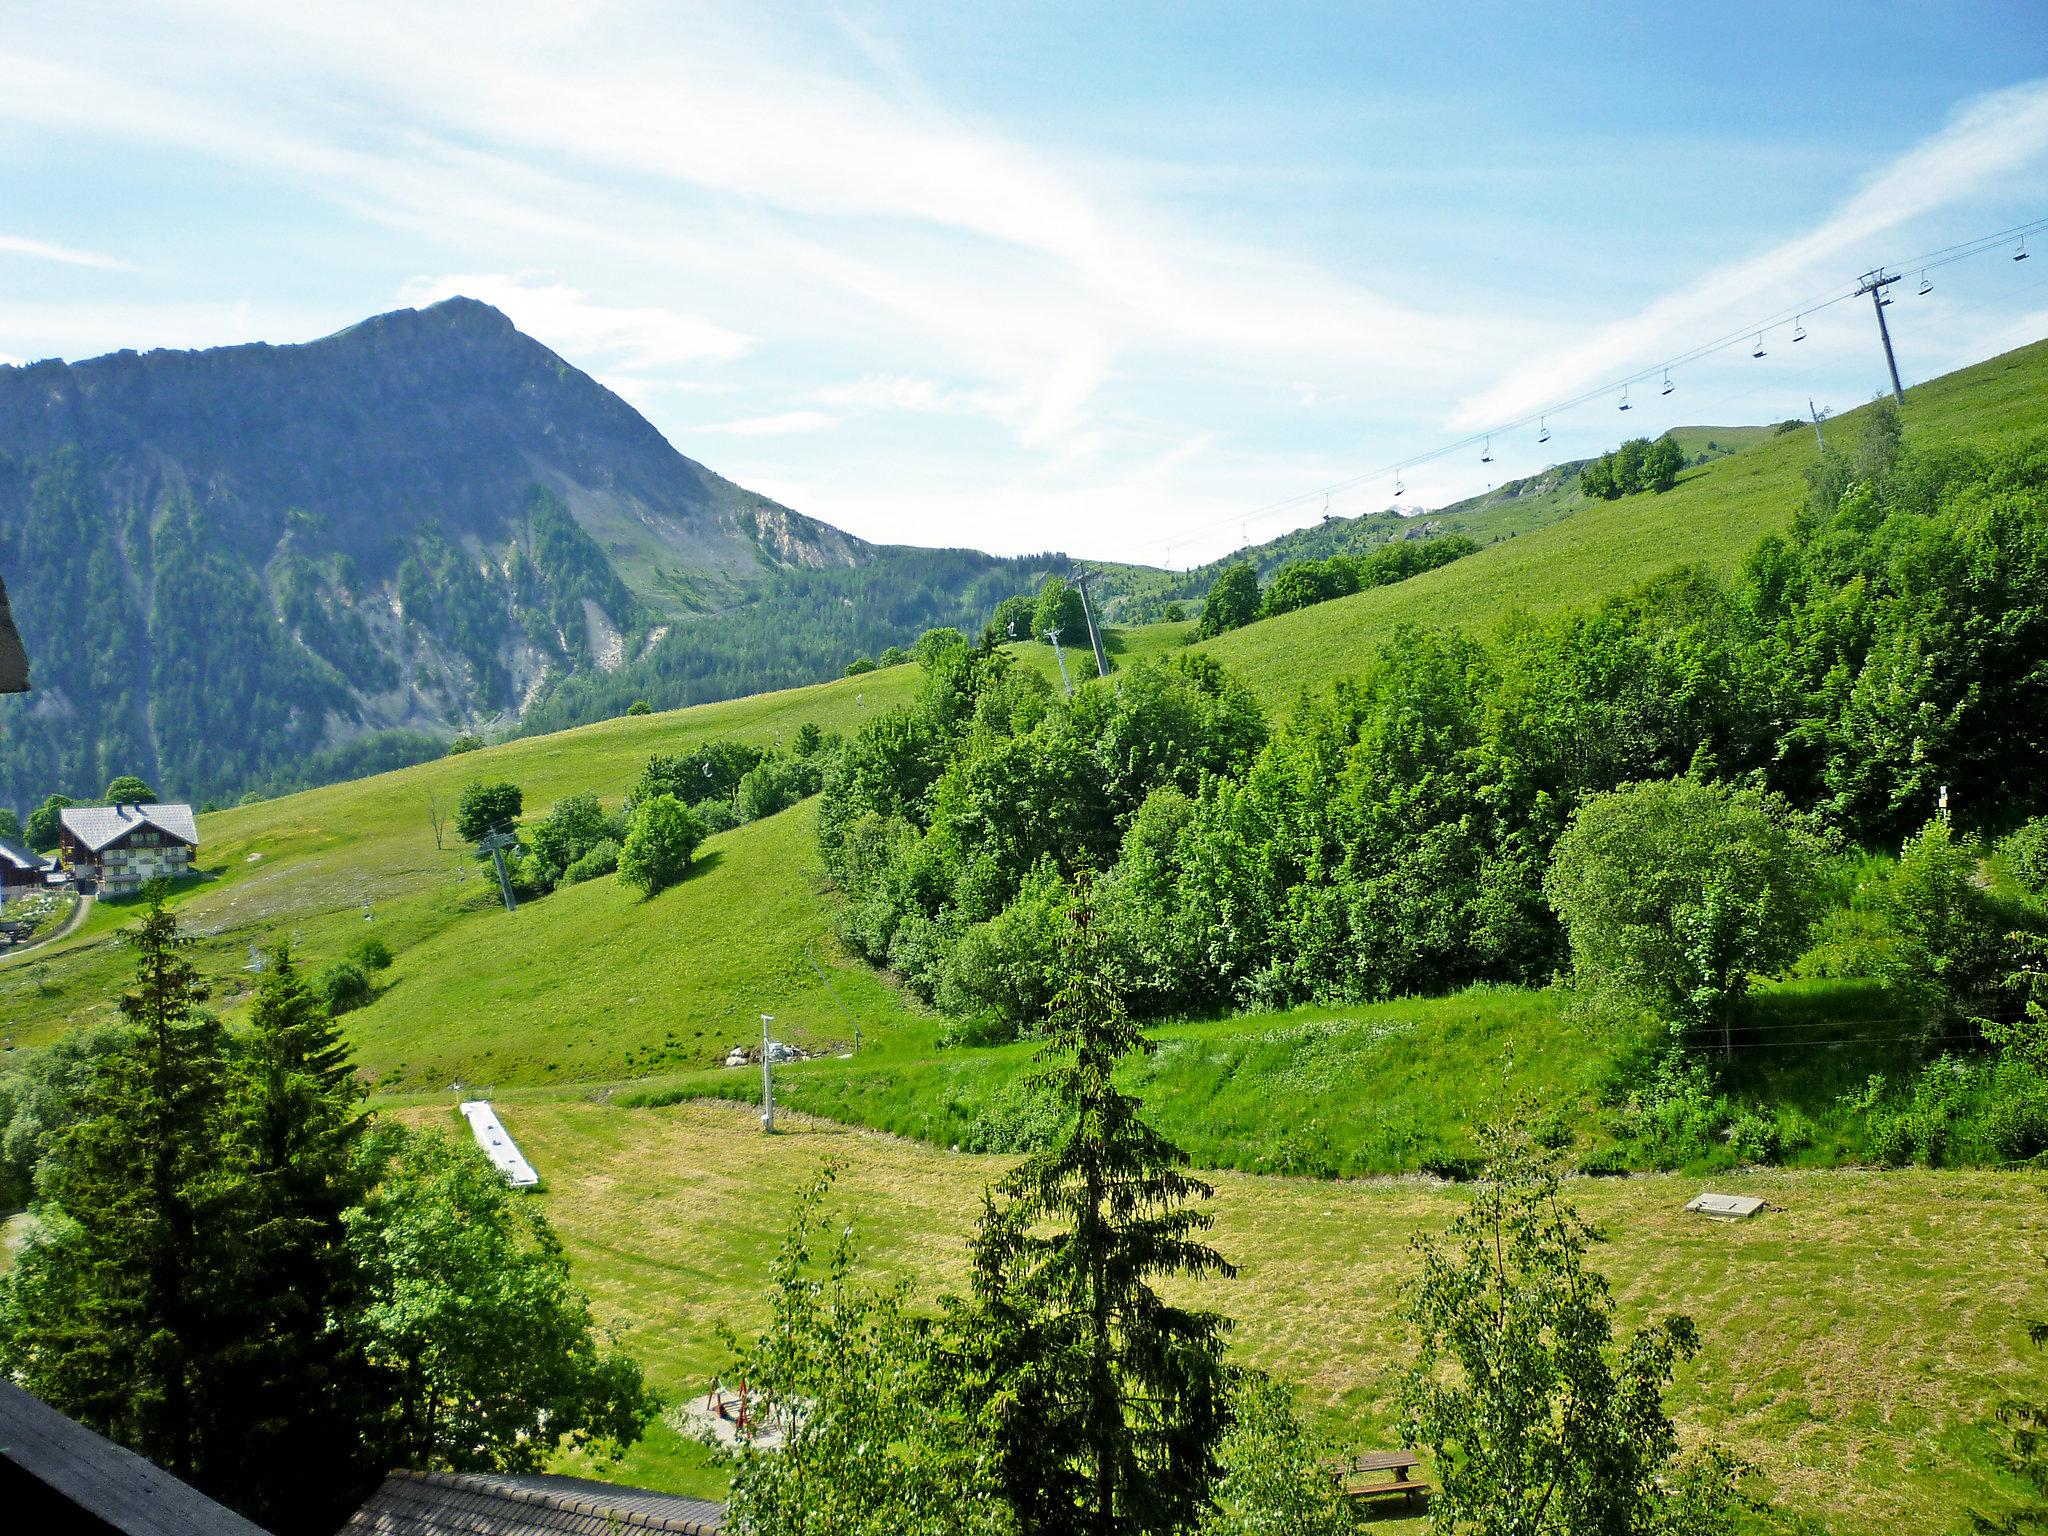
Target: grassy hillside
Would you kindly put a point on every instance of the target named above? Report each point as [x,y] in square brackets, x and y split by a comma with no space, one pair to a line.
[480,994]
[1712,517]
[1858,1337]
[588,984]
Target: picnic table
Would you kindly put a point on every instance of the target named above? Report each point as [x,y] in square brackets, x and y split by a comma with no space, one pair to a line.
[1363,1475]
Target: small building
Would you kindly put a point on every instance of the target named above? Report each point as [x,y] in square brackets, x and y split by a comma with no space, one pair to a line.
[57,1475]
[117,849]
[503,1504]
[22,873]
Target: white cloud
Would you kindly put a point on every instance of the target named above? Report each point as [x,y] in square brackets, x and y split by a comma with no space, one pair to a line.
[1993,137]
[773,426]
[632,338]
[70,256]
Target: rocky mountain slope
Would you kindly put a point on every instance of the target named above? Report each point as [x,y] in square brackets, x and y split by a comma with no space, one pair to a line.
[226,561]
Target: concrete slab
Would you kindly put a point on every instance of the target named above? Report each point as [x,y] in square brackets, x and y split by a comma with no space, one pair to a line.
[1725,1207]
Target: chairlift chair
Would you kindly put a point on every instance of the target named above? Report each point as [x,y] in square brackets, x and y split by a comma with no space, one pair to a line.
[1926,284]
[1399,488]
[1799,328]
[1624,399]
[1759,352]
[2021,253]
[1668,385]
[1486,453]
[1542,430]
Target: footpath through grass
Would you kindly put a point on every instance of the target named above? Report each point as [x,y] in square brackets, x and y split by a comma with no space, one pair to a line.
[1859,1336]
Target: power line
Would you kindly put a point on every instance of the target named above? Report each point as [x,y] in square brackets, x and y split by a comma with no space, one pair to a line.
[1924,262]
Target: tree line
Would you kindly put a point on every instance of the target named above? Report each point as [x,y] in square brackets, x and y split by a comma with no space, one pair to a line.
[1402,833]
[235,1270]
[1236,598]
[1637,465]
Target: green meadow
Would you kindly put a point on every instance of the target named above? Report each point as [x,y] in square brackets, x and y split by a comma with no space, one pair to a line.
[1858,1337]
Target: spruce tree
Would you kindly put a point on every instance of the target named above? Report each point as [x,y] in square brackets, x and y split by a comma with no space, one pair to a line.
[115,1314]
[1110,1400]
[302,1390]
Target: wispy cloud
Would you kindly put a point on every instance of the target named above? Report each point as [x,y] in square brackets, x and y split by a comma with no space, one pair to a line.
[780,425]
[633,338]
[66,255]
[1995,136]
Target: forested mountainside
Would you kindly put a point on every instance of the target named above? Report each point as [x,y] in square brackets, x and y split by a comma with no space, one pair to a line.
[257,566]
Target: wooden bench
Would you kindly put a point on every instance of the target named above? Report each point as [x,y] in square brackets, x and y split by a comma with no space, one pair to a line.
[1361,1476]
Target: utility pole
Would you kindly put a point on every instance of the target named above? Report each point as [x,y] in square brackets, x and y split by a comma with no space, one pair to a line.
[1057,655]
[495,845]
[767,1079]
[1874,284]
[1088,614]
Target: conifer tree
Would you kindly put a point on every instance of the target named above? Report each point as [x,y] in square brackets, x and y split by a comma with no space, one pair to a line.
[115,1314]
[301,1388]
[1110,1400]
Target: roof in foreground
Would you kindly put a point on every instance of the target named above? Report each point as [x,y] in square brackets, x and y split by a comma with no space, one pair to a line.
[502,1504]
[13,659]
[98,825]
[112,1483]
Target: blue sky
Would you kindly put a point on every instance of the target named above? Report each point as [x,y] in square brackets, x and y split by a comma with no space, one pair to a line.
[1135,281]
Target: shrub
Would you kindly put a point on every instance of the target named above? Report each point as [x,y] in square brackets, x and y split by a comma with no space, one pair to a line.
[1673,892]
[639,707]
[371,953]
[345,985]
[661,839]
[468,741]
[860,664]
[717,815]
[601,859]
[2026,856]
[1949,955]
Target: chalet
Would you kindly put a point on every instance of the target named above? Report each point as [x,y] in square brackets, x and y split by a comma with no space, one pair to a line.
[118,848]
[13,659]
[21,872]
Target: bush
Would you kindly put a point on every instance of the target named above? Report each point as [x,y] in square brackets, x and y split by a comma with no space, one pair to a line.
[468,741]
[661,839]
[601,859]
[371,953]
[1949,956]
[1673,892]
[717,815]
[575,825]
[2026,856]
[860,664]
[639,707]
[345,985]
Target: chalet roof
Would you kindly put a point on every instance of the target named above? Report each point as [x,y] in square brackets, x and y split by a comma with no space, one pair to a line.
[13,659]
[106,1481]
[499,1504]
[98,825]
[17,857]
